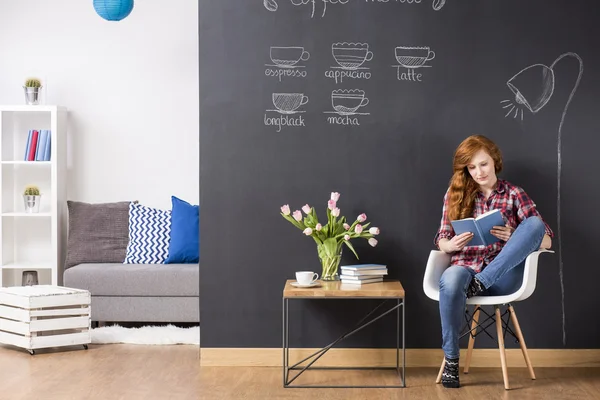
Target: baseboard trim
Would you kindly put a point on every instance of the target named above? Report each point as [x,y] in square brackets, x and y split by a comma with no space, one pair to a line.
[273,357]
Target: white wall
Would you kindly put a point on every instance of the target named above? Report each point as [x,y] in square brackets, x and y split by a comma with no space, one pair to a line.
[131,88]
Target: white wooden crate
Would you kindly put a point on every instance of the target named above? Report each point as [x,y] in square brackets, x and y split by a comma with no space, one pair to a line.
[41,316]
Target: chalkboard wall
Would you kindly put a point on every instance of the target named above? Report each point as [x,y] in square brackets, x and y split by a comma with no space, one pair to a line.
[284,119]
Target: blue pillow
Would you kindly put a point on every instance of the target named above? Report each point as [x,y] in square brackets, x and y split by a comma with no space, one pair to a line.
[185,233]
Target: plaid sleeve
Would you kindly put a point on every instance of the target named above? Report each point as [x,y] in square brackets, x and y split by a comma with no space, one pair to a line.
[445,231]
[526,208]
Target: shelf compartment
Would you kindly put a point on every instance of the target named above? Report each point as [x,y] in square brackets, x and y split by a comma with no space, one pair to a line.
[15,130]
[27,241]
[15,177]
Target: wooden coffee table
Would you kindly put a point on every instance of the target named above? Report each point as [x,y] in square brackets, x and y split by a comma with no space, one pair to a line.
[389,290]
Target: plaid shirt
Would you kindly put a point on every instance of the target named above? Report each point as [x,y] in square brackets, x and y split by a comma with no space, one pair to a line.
[515,205]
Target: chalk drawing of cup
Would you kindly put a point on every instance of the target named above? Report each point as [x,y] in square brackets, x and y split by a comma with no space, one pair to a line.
[287,57]
[413,57]
[288,103]
[351,55]
[346,102]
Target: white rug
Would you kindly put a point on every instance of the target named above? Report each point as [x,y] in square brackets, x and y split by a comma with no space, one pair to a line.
[156,335]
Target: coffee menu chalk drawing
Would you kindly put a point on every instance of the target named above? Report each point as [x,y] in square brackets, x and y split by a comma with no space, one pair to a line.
[314,5]
[287,110]
[286,62]
[349,63]
[410,60]
[351,60]
[346,104]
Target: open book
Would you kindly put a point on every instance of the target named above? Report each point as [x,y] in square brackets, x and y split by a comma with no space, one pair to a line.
[480,227]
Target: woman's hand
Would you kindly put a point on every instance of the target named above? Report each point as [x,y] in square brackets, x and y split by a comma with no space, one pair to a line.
[457,243]
[502,232]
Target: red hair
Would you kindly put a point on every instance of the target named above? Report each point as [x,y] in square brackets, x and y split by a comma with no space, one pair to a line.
[463,189]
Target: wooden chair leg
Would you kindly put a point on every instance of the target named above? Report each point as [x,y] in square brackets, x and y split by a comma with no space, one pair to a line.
[472,339]
[439,377]
[501,347]
[515,321]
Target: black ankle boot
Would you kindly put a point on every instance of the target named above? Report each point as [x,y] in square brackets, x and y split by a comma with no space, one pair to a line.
[450,377]
[475,288]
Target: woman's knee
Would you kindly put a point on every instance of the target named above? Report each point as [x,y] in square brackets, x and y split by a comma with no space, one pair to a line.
[535,223]
[454,279]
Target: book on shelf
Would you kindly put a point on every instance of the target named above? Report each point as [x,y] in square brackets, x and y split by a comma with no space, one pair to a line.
[38,145]
[46,153]
[28,145]
[30,151]
[48,147]
[359,282]
[42,143]
[480,227]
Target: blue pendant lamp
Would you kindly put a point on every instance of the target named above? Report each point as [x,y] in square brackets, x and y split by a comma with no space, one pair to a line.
[113,10]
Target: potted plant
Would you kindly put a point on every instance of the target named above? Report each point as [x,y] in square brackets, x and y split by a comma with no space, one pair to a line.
[32,199]
[331,236]
[32,90]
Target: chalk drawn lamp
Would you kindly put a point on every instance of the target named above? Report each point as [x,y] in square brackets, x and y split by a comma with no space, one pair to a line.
[533,86]
[113,10]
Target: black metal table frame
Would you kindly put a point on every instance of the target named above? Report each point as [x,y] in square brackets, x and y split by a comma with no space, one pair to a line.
[287,382]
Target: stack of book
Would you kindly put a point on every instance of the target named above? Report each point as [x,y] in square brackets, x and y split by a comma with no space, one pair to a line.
[362,274]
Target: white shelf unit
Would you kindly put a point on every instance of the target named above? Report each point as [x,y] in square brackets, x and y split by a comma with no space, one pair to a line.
[32,241]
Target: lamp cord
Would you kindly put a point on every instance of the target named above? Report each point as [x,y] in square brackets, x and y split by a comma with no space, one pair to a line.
[559,171]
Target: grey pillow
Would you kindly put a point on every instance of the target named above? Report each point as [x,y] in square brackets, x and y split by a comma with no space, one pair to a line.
[98,233]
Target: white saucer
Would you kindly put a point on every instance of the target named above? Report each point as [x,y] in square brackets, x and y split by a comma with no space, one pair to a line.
[314,284]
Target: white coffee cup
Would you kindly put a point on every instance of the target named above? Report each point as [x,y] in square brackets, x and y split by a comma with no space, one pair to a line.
[306,277]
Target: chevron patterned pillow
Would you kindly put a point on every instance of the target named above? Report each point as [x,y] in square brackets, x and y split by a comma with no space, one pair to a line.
[149,235]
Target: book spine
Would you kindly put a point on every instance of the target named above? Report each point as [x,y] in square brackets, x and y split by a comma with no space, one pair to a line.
[47,150]
[481,235]
[28,145]
[41,146]
[33,147]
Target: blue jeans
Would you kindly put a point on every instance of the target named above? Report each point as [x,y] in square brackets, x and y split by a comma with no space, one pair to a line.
[503,275]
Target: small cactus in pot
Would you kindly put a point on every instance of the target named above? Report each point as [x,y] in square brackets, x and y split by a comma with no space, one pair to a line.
[33,83]
[32,199]
[32,190]
[32,89]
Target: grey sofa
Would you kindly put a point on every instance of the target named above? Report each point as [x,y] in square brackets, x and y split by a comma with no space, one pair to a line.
[139,292]
[96,249]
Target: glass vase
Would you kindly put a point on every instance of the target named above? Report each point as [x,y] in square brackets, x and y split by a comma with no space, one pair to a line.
[330,265]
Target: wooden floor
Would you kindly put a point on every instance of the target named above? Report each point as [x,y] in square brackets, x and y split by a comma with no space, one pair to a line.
[173,372]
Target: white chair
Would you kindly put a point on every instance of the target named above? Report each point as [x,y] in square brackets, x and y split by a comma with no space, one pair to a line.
[438,262]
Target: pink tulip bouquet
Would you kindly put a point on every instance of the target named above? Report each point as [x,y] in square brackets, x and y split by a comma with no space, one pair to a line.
[333,235]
